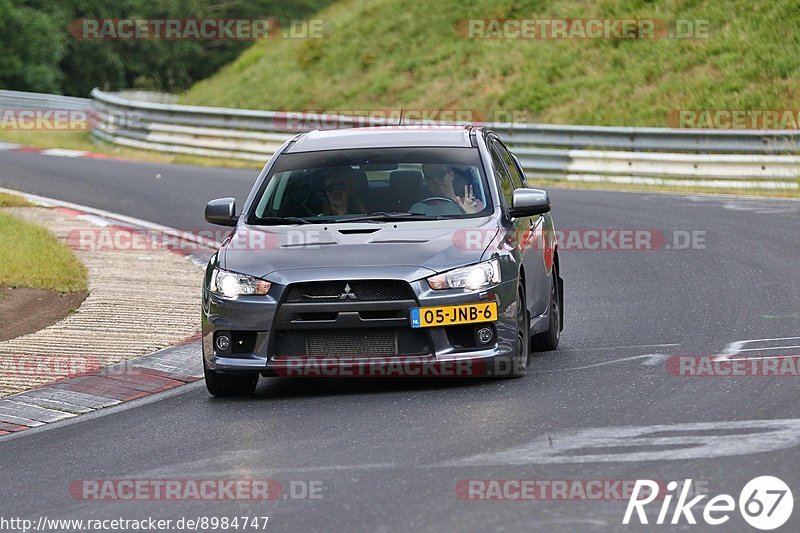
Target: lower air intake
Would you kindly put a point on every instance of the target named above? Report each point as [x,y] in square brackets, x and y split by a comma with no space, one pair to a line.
[365,342]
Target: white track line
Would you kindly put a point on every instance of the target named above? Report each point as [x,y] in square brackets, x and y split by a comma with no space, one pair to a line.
[652,359]
[737,347]
[63,152]
[623,347]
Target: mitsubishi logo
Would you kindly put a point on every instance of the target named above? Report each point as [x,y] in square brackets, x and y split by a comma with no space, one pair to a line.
[348,293]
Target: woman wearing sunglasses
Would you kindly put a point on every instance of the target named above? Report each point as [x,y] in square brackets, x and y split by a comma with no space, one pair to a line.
[341,195]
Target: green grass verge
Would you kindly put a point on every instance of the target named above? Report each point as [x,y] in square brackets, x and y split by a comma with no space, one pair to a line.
[12,200]
[33,258]
[388,54]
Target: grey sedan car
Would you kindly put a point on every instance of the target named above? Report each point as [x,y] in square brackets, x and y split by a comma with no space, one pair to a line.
[392,251]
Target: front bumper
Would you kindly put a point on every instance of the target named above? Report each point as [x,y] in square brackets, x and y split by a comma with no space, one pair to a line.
[254,323]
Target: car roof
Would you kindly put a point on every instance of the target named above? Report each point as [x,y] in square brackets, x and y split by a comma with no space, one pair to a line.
[383,137]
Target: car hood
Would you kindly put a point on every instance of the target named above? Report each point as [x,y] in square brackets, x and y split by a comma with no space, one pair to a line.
[410,249]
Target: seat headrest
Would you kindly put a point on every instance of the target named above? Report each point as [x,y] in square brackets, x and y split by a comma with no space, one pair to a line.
[405,179]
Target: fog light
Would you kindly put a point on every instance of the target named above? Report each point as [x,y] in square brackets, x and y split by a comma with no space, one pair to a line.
[223,343]
[485,335]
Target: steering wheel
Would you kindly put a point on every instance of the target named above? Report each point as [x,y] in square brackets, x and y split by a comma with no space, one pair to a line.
[441,199]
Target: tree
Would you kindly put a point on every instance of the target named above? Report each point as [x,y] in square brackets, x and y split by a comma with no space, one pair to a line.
[32,46]
[39,54]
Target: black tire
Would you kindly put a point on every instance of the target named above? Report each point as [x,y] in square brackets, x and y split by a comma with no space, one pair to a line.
[230,384]
[522,358]
[548,340]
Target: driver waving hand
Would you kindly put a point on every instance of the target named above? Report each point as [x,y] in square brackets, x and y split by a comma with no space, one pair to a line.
[440,178]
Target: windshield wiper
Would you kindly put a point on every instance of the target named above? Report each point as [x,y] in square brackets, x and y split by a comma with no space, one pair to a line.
[274,221]
[379,216]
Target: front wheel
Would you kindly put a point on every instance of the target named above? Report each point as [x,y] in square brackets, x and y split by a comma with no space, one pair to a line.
[519,365]
[230,384]
[548,340]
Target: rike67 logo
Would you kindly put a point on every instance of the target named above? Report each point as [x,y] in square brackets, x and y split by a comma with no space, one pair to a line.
[765,503]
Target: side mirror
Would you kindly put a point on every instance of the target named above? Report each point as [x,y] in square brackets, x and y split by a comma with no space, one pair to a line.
[222,212]
[529,202]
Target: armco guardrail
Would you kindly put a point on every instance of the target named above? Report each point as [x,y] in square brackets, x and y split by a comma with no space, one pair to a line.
[584,153]
[21,100]
[729,158]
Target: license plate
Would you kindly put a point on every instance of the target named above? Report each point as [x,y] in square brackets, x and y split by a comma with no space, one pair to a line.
[448,315]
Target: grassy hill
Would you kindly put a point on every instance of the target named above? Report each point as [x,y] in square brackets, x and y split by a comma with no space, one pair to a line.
[383,54]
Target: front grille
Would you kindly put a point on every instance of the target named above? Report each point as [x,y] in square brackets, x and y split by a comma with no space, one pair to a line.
[360,318]
[366,342]
[362,291]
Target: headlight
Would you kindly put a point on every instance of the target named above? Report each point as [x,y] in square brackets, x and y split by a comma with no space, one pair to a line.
[472,278]
[231,285]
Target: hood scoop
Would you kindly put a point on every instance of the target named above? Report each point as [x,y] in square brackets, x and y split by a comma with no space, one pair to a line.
[358,231]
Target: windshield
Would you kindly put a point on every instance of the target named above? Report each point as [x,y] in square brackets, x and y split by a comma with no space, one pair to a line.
[373,184]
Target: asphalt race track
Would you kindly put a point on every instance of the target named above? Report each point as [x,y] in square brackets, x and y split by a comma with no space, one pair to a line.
[389,455]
